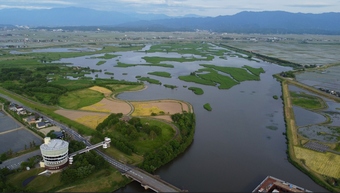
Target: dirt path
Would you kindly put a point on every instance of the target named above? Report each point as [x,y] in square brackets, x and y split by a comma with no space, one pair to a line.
[289,113]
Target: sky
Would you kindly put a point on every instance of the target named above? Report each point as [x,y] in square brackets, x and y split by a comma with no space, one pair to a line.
[182,7]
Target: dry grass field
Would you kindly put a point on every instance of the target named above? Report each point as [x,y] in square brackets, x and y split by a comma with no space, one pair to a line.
[109,106]
[322,163]
[90,119]
[169,107]
[103,90]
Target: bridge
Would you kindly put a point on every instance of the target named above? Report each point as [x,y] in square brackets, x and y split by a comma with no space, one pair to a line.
[146,180]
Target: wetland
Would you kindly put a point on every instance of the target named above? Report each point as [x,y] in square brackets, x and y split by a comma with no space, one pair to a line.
[246,123]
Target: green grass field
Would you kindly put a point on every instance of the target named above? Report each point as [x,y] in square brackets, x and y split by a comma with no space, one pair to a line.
[73,84]
[161,74]
[80,98]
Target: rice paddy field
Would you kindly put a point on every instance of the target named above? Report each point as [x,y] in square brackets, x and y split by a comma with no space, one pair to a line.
[90,119]
[327,78]
[302,49]
[162,107]
[322,163]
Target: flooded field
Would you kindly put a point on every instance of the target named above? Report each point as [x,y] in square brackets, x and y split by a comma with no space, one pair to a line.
[301,49]
[328,78]
[314,125]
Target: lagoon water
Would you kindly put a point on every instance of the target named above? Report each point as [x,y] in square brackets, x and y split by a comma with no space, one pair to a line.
[233,149]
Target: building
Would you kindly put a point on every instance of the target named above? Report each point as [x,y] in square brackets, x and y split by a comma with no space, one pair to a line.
[41,125]
[272,184]
[54,153]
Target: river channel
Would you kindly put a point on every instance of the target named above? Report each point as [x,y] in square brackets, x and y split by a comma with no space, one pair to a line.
[236,145]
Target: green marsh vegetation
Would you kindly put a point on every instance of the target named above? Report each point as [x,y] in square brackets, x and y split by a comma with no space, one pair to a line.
[101,62]
[255,71]
[124,65]
[161,74]
[238,74]
[307,101]
[107,56]
[196,90]
[207,107]
[204,50]
[109,73]
[211,75]
[149,80]
[170,86]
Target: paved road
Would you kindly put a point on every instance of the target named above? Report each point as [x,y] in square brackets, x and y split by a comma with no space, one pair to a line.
[14,163]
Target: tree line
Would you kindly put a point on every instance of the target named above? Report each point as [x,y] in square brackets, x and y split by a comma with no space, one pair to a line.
[167,152]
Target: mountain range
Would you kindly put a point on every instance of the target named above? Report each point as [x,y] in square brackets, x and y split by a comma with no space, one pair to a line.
[243,22]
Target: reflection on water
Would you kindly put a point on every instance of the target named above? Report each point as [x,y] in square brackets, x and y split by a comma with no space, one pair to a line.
[58,50]
[305,117]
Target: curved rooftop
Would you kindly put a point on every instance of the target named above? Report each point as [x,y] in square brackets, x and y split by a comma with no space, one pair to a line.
[54,144]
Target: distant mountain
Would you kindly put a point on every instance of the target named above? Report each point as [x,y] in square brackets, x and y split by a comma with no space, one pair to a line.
[243,22]
[252,22]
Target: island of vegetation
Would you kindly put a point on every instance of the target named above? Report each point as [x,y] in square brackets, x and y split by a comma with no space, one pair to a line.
[213,77]
[196,90]
[207,107]
[161,74]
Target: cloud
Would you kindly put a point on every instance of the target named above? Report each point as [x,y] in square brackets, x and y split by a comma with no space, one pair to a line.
[22,7]
[308,6]
[30,2]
